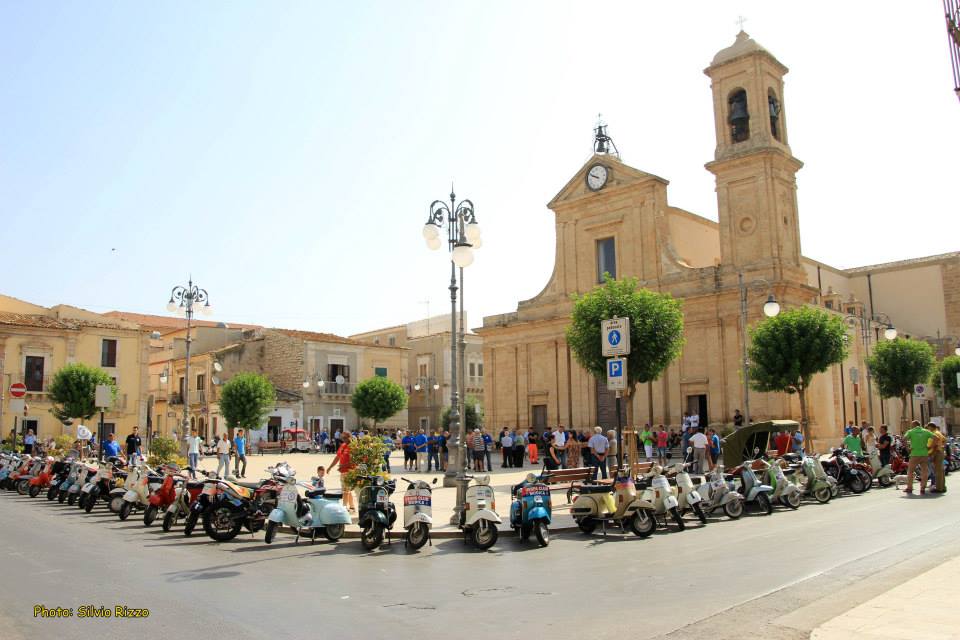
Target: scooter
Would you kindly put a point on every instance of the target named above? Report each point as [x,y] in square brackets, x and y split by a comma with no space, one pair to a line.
[531,508]
[841,468]
[142,481]
[100,484]
[42,479]
[418,512]
[377,513]
[10,463]
[719,493]
[658,493]
[784,491]
[187,493]
[817,483]
[86,473]
[61,473]
[76,468]
[321,512]
[754,492]
[166,493]
[882,473]
[22,480]
[479,519]
[688,498]
[226,507]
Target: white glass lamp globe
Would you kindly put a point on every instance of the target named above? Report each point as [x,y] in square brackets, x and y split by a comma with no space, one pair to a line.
[472,231]
[890,332]
[771,307]
[476,243]
[462,256]
[172,306]
[416,387]
[433,244]
[430,231]
[206,309]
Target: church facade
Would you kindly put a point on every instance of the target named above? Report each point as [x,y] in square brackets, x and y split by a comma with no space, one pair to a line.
[611,217]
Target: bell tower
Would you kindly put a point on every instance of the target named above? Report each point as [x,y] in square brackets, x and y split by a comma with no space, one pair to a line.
[754,167]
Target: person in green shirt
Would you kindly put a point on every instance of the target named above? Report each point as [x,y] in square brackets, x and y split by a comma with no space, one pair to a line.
[918,439]
[646,437]
[853,442]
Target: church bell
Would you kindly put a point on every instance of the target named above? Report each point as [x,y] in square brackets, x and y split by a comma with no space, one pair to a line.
[738,113]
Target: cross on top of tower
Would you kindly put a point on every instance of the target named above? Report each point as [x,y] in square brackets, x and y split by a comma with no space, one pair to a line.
[740,21]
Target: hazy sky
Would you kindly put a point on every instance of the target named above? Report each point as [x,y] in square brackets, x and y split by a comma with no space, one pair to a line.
[285,153]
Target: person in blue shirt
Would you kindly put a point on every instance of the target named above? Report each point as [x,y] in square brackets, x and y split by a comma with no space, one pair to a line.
[111,448]
[387,440]
[409,455]
[714,448]
[420,446]
[240,447]
[433,452]
[488,445]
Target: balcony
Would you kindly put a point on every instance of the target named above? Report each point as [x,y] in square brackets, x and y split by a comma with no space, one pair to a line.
[334,389]
[176,398]
[198,396]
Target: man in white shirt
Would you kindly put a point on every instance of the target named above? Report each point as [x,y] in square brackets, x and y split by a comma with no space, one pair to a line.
[193,451]
[506,448]
[599,445]
[560,444]
[695,420]
[699,442]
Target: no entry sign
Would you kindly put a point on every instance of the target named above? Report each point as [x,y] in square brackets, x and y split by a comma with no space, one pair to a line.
[18,390]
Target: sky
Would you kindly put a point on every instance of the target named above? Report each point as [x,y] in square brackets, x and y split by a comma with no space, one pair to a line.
[285,154]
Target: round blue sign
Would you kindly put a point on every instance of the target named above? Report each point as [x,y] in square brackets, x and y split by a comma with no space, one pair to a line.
[614,337]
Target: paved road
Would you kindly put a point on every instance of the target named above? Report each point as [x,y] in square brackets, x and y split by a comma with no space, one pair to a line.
[785,574]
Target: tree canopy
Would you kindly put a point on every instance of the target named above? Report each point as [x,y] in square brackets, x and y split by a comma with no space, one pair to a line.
[786,351]
[948,369]
[897,365]
[73,391]
[245,399]
[656,328]
[378,398]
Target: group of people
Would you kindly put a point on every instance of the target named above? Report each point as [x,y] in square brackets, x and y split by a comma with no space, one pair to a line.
[224,449]
[423,451]
[927,447]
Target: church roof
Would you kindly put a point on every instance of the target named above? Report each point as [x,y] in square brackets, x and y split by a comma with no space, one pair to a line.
[743,45]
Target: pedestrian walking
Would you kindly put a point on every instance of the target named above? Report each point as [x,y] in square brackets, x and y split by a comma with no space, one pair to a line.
[918,441]
[714,438]
[346,466]
[223,455]
[699,443]
[134,448]
[533,453]
[240,449]
[663,438]
[599,446]
[646,439]
[938,443]
[506,449]
[193,452]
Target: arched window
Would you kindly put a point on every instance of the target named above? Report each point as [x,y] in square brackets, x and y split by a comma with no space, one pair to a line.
[739,118]
[774,106]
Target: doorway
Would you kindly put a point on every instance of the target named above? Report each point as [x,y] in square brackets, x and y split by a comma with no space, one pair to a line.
[697,405]
[539,417]
[273,428]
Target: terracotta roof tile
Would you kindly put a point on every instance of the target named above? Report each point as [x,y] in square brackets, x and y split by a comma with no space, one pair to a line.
[150,321]
[49,322]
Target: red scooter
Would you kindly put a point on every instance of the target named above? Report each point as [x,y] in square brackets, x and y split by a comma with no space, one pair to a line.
[186,494]
[162,498]
[42,479]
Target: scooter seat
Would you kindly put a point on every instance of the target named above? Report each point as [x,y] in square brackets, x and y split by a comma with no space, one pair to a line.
[789,472]
[194,484]
[316,493]
[593,488]
[253,486]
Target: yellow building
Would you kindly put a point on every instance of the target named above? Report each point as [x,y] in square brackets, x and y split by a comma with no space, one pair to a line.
[615,218]
[36,341]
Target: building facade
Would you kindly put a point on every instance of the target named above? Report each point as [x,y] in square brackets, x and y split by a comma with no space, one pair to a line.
[614,218]
[36,341]
[428,367]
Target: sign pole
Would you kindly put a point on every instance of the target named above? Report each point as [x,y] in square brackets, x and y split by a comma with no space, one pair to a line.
[13,444]
[100,436]
[619,439]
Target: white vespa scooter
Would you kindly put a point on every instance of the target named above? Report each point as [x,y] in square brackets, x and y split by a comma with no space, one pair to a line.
[479,519]
[688,498]
[658,493]
[140,487]
[418,512]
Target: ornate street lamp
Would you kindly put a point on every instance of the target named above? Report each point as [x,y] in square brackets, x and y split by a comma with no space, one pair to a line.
[463,236]
[771,308]
[188,296]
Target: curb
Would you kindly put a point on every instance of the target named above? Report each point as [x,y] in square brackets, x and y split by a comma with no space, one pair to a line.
[443,534]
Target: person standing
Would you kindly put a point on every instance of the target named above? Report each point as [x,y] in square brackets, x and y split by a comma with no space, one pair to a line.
[599,446]
[478,450]
[29,441]
[532,452]
[853,442]
[917,440]
[737,418]
[714,439]
[662,439]
[869,440]
[488,447]
[560,444]
[612,451]
[685,433]
[782,443]
[444,450]
[134,446]
[433,452]
[223,455]
[506,449]
[699,442]
[346,466]
[193,452]
[409,454]
[420,447]
[798,442]
[240,448]
[884,444]
[111,448]
[388,443]
[519,448]
[646,438]
[938,445]
[551,459]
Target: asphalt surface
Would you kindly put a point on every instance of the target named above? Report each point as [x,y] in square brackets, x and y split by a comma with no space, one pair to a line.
[781,575]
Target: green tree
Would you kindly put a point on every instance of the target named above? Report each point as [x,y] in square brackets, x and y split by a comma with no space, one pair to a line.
[378,398]
[656,328]
[245,399]
[786,351]
[164,450]
[947,370]
[898,365]
[73,391]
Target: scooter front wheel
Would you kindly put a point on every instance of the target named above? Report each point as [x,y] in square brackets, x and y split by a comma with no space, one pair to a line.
[190,523]
[333,532]
[588,525]
[485,535]
[822,495]
[417,535]
[150,515]
[792,499]
[675,512]
[34,491]
[733,509]
[125,510]
[642,523]
[372,536]
[270,531]
[115,503]
[52,492]
[542,532]
[885,480]
[763,501]
[71,499]
[168,519]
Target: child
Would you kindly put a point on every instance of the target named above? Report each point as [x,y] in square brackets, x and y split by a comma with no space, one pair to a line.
[318,480]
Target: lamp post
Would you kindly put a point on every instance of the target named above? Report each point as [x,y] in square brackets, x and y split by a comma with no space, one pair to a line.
[770,309]
[463,233]
[890,332]
[187,297]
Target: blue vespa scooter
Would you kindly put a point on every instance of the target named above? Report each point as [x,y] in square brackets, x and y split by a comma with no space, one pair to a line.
[321,512]
[530,509]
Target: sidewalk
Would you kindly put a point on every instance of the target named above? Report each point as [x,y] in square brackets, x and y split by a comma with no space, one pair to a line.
[919,609]
[305,464]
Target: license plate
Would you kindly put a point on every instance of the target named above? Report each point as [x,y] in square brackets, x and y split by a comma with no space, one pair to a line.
[538,499]
[288,495]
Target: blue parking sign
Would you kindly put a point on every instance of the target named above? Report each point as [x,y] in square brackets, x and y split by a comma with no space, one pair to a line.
[617,374]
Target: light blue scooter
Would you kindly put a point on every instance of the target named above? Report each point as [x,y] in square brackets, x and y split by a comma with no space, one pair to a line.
[320,512]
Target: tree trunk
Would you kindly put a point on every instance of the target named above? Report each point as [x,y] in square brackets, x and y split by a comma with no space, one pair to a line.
[804,427]
[903,413]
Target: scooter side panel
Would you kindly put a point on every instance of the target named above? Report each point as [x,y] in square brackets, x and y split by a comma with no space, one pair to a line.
[538,513]
[671,502]
[693,498]
[420,517]
[335,514]
[483,514]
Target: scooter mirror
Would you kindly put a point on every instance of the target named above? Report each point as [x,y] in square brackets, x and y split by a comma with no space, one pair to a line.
[689,449]
[434,481]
